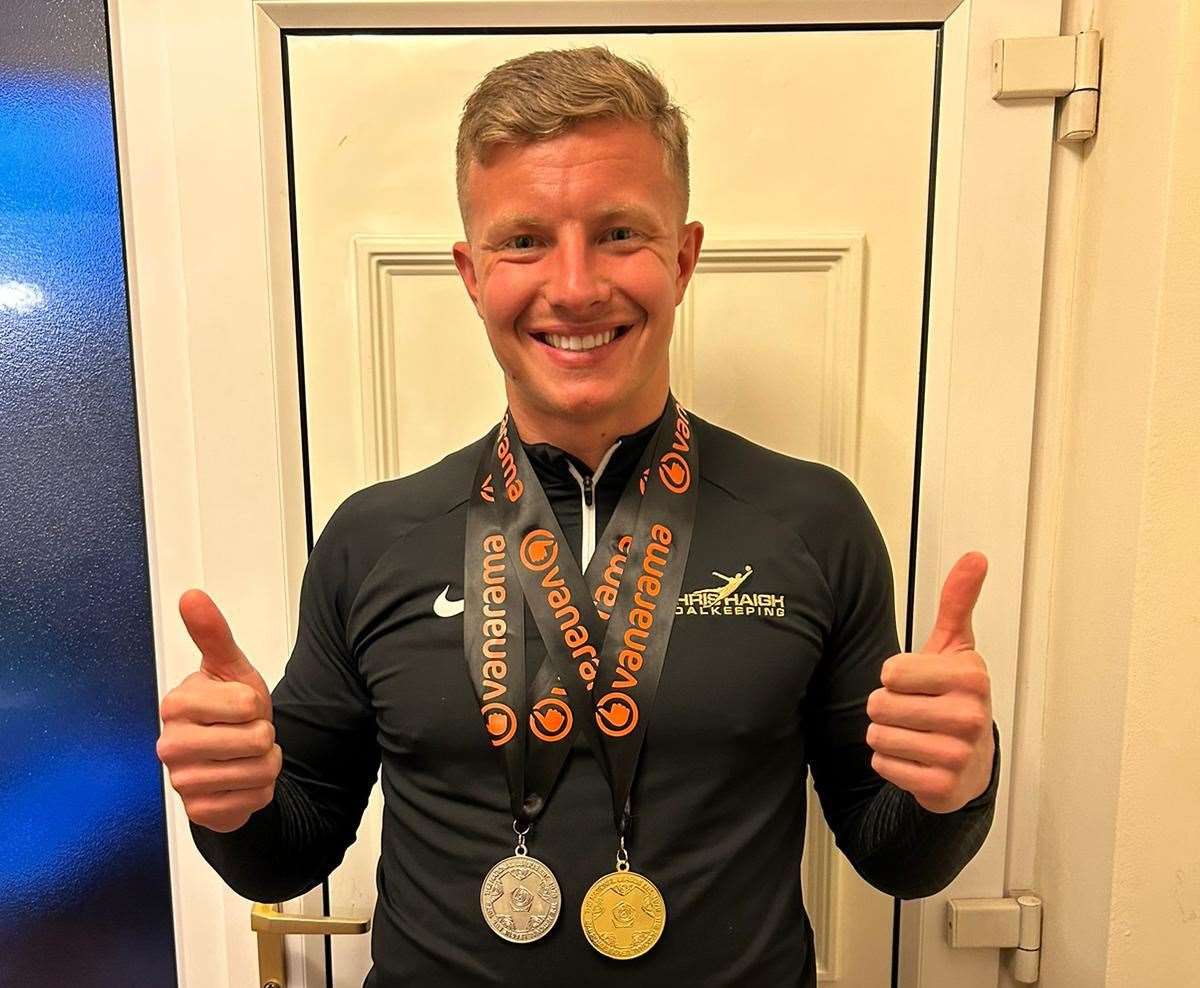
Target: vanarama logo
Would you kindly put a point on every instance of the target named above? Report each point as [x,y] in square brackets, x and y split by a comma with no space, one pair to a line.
[551,718]
[539,549]
[726,598]
[498,717]
[500,721]
[673,469]
[513,486]
[605,596]
[617,712]
[538,552]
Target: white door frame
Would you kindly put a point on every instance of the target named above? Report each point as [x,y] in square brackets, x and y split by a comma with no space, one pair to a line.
[216,370]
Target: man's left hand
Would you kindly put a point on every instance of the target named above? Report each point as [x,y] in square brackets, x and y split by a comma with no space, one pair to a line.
[931,722]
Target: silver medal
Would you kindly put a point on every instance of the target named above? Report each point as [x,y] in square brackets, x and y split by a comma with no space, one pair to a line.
[520,898]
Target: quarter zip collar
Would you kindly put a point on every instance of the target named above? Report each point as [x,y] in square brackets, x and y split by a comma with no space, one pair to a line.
[554,465]
[582,500]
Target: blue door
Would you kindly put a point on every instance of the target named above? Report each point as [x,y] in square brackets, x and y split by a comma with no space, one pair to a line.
[85,895]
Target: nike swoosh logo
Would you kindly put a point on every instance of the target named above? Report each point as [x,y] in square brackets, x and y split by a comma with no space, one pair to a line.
[445,607]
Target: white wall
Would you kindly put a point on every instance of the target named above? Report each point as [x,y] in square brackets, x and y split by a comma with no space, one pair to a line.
[1113,622]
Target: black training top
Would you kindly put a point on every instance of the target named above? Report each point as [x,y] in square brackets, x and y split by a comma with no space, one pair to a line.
[785,617]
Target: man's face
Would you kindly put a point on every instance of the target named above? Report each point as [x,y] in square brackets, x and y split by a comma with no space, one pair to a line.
[574,237]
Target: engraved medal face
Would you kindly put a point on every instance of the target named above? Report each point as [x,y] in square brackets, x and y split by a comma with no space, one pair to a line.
[623,915]
[520,899]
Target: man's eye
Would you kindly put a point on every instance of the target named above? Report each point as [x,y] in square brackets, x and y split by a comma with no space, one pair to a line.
[518,242]
[624,229]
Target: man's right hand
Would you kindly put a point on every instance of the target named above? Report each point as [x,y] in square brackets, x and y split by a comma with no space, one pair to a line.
[218,739]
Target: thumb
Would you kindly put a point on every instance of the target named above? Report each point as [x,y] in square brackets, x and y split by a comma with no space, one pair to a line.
[220,656]
[952,631]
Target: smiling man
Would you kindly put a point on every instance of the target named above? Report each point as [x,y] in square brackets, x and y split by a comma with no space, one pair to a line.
[593,742]
[577,258]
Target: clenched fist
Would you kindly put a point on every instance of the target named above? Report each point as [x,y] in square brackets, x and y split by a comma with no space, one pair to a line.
[931,721]
[218,741]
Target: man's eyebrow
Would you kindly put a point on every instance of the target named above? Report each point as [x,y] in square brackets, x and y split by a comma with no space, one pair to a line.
[628,210]
[509,220]
[605,214]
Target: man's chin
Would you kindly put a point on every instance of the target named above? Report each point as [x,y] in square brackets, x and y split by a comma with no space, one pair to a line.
[583,404]
[578,401]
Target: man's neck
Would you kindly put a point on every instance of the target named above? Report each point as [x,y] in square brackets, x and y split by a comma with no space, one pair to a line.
[586,438]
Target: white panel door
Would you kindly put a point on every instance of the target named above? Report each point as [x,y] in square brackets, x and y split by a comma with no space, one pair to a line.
[867,296]
[781,337]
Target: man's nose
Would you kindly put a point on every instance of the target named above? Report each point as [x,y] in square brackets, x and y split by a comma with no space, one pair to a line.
[576,279]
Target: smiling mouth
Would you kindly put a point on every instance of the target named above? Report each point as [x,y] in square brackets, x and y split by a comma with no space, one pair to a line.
[584,343]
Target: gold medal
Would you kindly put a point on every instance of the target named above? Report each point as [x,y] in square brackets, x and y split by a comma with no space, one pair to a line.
[623,914]
[520,899]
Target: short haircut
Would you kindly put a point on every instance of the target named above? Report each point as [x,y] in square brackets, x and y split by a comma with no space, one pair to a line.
[544,93]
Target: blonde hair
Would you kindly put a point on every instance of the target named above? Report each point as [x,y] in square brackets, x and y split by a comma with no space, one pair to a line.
[544,93]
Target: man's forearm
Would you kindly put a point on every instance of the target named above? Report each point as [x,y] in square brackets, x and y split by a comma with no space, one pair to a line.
[910,852]
[282,851]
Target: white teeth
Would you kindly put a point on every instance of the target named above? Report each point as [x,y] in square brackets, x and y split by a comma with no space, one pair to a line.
[580,342]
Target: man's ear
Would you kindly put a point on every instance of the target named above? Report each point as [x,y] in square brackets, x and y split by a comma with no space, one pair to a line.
[466,269]
[689,254]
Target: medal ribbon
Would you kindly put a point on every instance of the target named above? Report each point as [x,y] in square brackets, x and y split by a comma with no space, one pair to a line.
[494,638]
[606,649]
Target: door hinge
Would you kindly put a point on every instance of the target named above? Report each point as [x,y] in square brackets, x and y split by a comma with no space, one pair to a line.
[1014,923]
[1066,66]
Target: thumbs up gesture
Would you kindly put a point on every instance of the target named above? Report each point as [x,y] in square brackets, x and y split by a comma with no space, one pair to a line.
[218,740]
[931,722]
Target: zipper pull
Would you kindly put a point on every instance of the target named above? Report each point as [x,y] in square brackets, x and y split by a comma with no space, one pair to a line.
[587,489]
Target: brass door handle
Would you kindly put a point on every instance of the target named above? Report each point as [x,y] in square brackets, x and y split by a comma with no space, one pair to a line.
[271,926]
